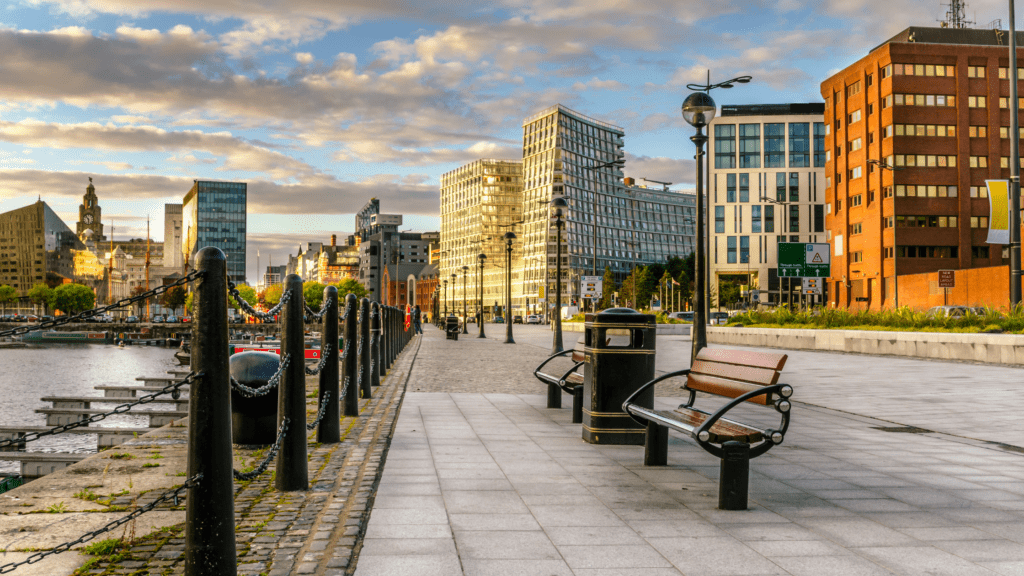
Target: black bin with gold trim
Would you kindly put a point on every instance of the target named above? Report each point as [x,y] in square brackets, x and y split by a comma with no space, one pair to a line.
[620,350]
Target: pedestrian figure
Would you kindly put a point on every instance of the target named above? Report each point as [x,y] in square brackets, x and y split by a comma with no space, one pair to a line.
[416,320]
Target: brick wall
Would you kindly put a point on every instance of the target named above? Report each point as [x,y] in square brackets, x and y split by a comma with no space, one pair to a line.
[974,287]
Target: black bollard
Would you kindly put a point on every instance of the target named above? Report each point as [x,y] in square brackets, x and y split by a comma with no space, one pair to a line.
[385,341]
[656,448]
[375,368]
[329,430]
[292,467]
[577,404]
[554,396]
[364,343]
[210,507]
[351,363]
[735,473]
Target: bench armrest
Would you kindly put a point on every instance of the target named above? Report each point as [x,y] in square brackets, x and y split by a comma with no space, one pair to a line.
[628,401]
[763,446]
[561,381]
[549,359]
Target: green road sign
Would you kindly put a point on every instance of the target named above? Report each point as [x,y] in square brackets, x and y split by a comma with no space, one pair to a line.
[804,260]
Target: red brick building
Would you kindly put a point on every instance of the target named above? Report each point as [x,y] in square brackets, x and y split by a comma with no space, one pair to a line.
[933,104]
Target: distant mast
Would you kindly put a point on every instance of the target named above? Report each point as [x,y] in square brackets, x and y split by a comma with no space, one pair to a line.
[147,265]
[110,264]
[956,15]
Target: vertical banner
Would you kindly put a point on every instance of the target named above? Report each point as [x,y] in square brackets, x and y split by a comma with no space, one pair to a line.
[998,211]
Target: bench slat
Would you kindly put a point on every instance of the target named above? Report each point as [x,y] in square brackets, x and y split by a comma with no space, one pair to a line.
[688,421]
[725,387]
[748,374]
[743,358]
[575,378]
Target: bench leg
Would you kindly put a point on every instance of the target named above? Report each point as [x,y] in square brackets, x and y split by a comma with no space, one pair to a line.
[554,396]
[656,446]
[577,405]
[735,476]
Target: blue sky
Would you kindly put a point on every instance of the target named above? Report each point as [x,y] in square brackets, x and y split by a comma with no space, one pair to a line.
[320,105]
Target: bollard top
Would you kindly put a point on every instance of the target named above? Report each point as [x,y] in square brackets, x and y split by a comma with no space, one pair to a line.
[208,255]
[331,291]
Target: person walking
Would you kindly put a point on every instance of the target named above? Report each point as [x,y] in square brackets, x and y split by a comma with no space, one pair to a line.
[416,320]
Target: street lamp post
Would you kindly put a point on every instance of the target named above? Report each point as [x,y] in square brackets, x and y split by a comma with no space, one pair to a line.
[445,298]
[480,318]
[465,315]
[558,207]
[509,237]
[699,110]
[883,166]
[454,285]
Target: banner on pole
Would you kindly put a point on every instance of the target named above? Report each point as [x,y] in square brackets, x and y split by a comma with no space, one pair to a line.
[998,211]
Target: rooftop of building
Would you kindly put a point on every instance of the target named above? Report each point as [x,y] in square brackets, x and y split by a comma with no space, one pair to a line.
[576,115]
[773,109]
[966,36]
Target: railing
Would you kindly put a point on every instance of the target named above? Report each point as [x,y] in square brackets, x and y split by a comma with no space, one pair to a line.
[209,490]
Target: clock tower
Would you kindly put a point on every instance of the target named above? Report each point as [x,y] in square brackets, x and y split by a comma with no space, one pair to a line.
[89,214]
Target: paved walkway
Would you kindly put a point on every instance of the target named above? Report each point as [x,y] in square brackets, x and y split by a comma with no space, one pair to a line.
[481,479]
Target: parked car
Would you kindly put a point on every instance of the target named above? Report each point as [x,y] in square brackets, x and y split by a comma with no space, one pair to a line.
[954,311]
[684,316]
[517,319]
[172,319]
[499,320]
[533,319]
[158,319]
[186,318]
[132,320]
[718,318]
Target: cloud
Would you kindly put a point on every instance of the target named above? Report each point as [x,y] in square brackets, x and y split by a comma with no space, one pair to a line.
[598,84]
[678,171]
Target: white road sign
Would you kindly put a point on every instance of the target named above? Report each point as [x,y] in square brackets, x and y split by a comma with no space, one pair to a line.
[590,286]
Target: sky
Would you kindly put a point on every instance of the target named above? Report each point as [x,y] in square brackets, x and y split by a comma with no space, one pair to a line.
[320,105]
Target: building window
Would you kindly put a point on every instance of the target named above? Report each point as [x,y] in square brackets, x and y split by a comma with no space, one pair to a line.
[1003,73]
[855,173]
[775,145]
[855,200]
[925,130]
[819,145]
[923,70]
[719,219]
[730,250]
[979,221]
[725,146]
[976,101]
[794,186]
[886,71]
[853,89]
[929,191]
[922,160]
[744,249]
[750,145]
[978,131]
[794,218]
[979,252]
[819,218]
[856,257]
[853,117]
[855,144]
[979,191]
[755,219]
[780,186]
[730,187]
[926,100]
[799,145]
[975,71]
[979,162]
[744,187]
[1004,131]
[926,221]
[856,229]
[769,219]
[887,131]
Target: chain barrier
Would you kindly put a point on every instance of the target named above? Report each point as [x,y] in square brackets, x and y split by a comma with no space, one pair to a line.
[359,349]
[171,388]
[344,353]
[249,310]
[166,496]
[123,303]
[320,413]
[324,353]
[344,316]
[344,389]
[246,476]
[318,316]
[248,392]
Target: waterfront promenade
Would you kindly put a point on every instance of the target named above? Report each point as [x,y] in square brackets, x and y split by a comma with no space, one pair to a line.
[481,479]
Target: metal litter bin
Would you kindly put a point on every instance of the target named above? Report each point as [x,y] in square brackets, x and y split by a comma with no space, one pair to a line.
[451,327]
[619,358]
[254,420]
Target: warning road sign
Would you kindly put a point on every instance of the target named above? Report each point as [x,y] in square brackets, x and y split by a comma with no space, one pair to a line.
[804,260]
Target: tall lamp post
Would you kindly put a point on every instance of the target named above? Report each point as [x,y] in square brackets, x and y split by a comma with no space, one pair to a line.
[699,110]
[445,298]
[509,237]
[558,208]
[480,318]
[455,284]
[465,315]
[1015,265]
[883,166]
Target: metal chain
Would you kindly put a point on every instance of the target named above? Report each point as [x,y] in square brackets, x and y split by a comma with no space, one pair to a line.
[359,349]
[324,353]
[123,408]
[166,496]
[123,303]
[348,309]
[344,389]
[344,354]
[249,310]
[270,385]
[320,413]
[323,309]
[246,476]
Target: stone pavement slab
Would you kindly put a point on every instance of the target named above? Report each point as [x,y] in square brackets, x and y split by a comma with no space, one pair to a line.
[523,494]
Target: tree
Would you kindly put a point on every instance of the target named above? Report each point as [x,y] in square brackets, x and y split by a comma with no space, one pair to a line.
[350,286]
[248,293]
[313,294]
[272,295]
[7,294]
[41,294]
[174,298]
[608,287]
[73,298]
[141,304]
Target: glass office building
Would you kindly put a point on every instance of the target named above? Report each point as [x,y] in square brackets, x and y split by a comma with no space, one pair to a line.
[213,214]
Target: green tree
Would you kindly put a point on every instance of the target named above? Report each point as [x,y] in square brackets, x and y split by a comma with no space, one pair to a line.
[7,294]
[188,303]
[272,295]
[608,287]
[141,304]
[73,298]
[174,298]
[41,294]
[350,286]
[313,294]
[248,293]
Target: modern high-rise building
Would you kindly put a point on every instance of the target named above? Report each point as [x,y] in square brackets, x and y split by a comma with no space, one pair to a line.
[767,185]
[172,236]
[480,202]
[213,214]
[932,103]
[36,247]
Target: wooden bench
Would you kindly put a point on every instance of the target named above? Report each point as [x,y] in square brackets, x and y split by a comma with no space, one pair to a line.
[571,381]
[742,377]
